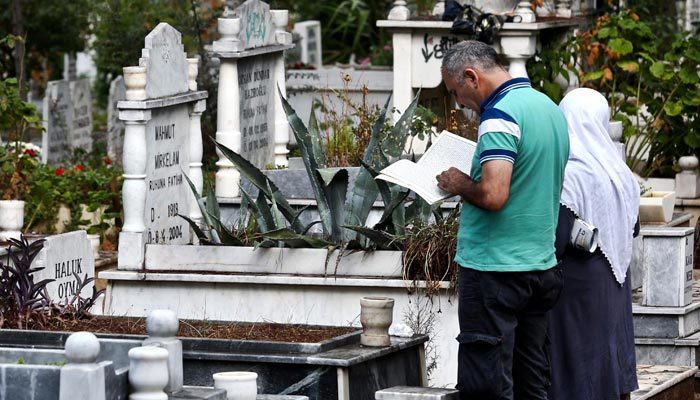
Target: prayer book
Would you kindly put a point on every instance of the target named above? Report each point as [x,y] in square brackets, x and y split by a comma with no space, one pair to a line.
[448,150]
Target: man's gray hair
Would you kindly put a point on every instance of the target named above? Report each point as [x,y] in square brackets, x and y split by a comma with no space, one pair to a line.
[469,54]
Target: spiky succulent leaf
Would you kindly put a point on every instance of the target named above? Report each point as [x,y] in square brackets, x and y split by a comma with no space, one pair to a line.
[381,239]
[293,239]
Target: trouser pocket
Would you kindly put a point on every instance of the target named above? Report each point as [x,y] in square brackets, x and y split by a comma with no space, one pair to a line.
[480,370]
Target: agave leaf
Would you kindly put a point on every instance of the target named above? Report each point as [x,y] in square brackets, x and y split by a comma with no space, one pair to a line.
[277,217]
[394,142]
[227,237]
[335,187]
[259,216]
[197,230]
[381,184]
[381,239]
[212,202]
[316,140]
[365,191]
[311,164]
[418,211]
[203,209]
[257,178]
[243,212]
[387,216]
[294,239]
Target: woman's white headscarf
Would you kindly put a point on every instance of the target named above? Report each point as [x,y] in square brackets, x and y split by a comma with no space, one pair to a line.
[598,186]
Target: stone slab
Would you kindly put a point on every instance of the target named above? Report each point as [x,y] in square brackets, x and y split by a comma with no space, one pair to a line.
[198,393]
[252,52]
[58,114]
[667,264]
[664,382]
[81,124]
[61,256]
[257,29]
[167,191]
[166,62]
[115,126]
[189,97]
[256,82]
[416,393]
[667,322]
[279,397]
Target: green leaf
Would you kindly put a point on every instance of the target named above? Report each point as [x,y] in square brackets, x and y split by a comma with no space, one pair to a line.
[673,109]
[603,33]
[317,146]
[621,46]
[295,240]
[197,230]
[689,74]
[262,220]
[227,236]
[692,140]
[592,76]
[203,209]
[657,69]
[335,189]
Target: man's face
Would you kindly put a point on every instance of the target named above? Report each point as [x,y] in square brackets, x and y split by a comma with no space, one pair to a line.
[464,92]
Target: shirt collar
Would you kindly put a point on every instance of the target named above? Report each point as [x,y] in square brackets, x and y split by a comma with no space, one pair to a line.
[503,89]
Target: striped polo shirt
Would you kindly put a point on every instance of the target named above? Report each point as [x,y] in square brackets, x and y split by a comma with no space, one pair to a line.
[524,127]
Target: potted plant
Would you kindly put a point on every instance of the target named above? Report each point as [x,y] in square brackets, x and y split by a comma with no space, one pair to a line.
[17,158]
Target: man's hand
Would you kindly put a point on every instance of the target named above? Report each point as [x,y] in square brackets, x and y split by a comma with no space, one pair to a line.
[453,181]
[490,193]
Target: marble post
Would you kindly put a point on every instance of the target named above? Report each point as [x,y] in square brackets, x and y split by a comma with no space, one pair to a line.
[403,72]
[162,326]
[196,152]
[399,12]
[688,180]
[82,378]
[148,373]
[281,18]
[131,238]
[518,47]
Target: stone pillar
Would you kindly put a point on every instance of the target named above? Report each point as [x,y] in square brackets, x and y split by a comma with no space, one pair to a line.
[518,47]
[196,152]
[82,378]
[688,180]
[399,12]
[403,72]
[228,121]
[162,326]
[281,18]
[148,373]
[131,238]
[615,130]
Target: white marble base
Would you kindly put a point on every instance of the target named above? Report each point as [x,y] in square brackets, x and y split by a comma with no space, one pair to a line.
[687,185]
[131,250]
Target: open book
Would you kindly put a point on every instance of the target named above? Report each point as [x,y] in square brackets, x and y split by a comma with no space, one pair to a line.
[448,150]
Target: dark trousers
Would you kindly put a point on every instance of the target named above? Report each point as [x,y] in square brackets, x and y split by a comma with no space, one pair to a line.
[503,333]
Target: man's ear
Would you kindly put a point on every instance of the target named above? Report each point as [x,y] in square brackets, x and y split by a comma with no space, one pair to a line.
[471,76]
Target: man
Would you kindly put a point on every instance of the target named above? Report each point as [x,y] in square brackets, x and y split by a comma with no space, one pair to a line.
[509,277]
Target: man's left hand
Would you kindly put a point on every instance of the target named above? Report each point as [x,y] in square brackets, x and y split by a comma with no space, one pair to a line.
[453,181]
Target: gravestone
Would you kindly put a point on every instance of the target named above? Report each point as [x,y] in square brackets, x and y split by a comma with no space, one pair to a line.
[164,58]
[257,29]
[256,80]
[62,256]
[58,117]
[81,124]
[310,42]
[115,126]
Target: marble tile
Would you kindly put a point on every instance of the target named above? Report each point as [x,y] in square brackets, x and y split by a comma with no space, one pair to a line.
[416,393]
[198,393]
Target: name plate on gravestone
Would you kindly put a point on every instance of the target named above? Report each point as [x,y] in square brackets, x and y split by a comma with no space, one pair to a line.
[167,192]
[58,110]
[81,125]
[257,28]
[257,105]
[61,256]
[115,126]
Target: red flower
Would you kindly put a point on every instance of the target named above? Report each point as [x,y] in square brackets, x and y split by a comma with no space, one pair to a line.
[80,167]
[59,171]
[106,160]
[30,153]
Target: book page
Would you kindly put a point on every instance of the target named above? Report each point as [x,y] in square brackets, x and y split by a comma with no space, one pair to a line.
[449,150]
[410,175]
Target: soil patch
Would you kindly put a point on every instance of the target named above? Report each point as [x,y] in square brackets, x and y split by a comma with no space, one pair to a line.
[204,329]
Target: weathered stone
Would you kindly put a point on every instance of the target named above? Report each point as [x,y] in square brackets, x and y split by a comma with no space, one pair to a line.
[165,61]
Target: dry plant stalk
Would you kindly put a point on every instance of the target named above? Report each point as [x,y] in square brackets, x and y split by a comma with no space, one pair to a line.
[429,253]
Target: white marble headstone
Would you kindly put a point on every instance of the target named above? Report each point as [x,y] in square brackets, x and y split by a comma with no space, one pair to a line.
[61,256]
[310,43]
[257,28]
[115,126]
[167,191]
[58,116]
[165,61]
[81,125]
[256,80]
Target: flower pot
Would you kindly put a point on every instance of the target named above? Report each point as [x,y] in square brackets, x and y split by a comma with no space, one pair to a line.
[94,244]
[148,372]
[229,27]
[656,207]
[135,82]
[239,385]
[280,18]
[376,315]
[192,71]
[11,218]
[615,129]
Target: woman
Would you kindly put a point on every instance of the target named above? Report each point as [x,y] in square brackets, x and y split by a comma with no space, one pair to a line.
[591,334]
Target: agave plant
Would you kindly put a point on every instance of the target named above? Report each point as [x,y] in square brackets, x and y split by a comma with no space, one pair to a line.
[342,218]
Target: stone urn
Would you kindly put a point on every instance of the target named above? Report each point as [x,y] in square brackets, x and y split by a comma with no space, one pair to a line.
[239,385]
[135,82]
[11,218]
[148,373]
[376,315]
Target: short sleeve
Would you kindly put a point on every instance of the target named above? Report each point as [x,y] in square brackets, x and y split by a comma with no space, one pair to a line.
[497,146]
